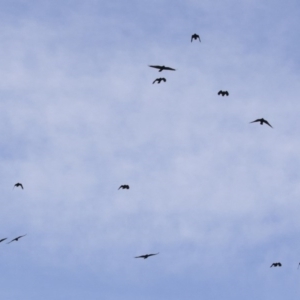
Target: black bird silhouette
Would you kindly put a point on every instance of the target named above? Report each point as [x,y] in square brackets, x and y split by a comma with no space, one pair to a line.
[146,255]
[262,121]
[124,186]
[16,239]
[161,68]
[3,240]
[158,80]
[278,264]
[18,184]
[223,93]
[195,36]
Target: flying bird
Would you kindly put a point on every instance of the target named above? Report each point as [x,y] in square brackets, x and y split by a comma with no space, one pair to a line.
[16,239]
[124,186]
[146,255]
[158,80]
[3,240]
[18,184]
[223,93]
[195,36]
[278,264]
[262,121]
[161,68]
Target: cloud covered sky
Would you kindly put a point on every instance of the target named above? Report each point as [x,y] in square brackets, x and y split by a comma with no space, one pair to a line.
[79,116]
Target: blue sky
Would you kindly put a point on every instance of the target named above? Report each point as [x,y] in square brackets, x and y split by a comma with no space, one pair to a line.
[79,116]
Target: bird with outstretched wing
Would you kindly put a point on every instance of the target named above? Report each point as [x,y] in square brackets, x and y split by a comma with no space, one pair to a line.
[124,186]
[146,255]
[262,121]
[278,264]
[16,239]
[18,184]
[161,68]
[223,93]
[158,80]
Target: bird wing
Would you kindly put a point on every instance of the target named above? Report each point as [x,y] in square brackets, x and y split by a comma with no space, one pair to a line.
[257,120]
[20,236]
[21,185]
[120,187]
[272,265]
[226,93]
[3,240]
[152,254]
[220,92]
[141,256]
[168,68]
[155,80]
[192,38]
[11,241]
[164,79]
[199,38]
[157,67]
[265,121]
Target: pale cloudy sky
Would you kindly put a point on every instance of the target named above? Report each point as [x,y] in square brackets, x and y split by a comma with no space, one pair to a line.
[79,116]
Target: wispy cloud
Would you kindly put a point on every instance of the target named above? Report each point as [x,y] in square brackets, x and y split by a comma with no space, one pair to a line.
[80,116]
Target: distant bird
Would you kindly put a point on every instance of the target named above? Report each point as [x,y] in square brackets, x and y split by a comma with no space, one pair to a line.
[262,121]
[195,36]
[124,186]
[158,80]
[3,240]
[278,264]
[16,239]
[18,184]
[146,255]
[223,93]
[161,68]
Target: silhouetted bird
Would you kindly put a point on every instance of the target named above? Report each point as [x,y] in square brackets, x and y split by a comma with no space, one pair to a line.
[262,121]
[18,184]
[195,36]
[124,186]
[223,93]
[158,80]
[146,255]
[3,240]
[278,264]
[161,68]
[16,239]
